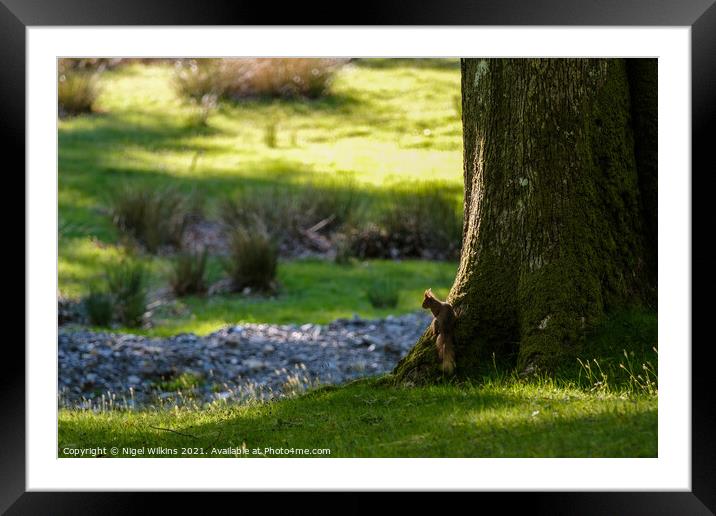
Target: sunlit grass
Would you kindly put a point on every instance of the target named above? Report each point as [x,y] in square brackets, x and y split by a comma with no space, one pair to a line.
[504,418]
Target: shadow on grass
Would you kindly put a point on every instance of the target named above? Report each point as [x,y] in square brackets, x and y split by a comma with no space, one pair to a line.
[157,131]
[85,196]
[331,103]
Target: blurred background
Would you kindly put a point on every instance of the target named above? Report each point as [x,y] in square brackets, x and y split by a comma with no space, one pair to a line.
[195,193]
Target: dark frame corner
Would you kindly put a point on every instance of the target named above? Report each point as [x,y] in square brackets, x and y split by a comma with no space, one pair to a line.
[700,15]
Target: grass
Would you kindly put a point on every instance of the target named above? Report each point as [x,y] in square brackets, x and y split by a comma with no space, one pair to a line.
[392,124]
[500,418]
[305,295]
[384,124]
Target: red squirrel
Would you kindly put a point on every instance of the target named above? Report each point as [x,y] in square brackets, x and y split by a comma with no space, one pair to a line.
[442,325]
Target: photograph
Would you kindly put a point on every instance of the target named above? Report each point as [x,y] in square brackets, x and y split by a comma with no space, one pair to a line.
[357,257]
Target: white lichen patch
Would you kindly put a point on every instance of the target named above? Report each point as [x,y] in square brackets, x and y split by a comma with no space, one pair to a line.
[480,70]
[543,324]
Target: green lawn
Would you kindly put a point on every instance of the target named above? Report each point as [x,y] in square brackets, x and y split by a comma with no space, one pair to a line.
[505,418]
[387,125]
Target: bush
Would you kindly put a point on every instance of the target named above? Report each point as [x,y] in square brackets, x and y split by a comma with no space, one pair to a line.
[189,273]
[127,286]
[255,77]
[253,259]
[154,217]
[77,87]
[383,295]
[99,308]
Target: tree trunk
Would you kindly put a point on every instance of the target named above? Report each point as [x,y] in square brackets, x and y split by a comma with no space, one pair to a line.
[554,229]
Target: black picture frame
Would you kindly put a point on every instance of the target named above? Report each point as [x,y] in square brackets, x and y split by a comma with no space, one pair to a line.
[700,15]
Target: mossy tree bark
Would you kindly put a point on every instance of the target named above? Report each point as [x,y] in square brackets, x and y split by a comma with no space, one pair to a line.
[556,232]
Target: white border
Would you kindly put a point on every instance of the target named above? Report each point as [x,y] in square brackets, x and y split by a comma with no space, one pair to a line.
[670,471]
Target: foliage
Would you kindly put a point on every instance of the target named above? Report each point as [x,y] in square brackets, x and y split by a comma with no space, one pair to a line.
[155,217]
[188,274]
[253,259]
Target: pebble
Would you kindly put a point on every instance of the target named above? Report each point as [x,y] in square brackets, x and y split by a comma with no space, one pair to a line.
[235,363]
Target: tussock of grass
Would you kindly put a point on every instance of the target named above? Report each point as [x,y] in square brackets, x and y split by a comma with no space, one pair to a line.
[77,91]
[383,294]
[189,273]
[286,211]
[253,260]
[98,307]
[127,287]
[154,217]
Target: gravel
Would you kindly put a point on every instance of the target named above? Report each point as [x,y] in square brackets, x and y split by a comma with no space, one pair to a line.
[235,364]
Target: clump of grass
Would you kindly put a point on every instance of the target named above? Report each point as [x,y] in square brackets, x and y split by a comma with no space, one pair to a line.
[383,294]
[155,217]
[291,210]
[122,297]
[625,343]
[625,377]
[186,381]
[256,77]
[99,307]
[77,86]
[644,379]
[421,222]
[253,259]
[188,274]
[424,221]
[127,286]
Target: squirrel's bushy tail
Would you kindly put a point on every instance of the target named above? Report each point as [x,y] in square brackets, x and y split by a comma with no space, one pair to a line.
[446,354]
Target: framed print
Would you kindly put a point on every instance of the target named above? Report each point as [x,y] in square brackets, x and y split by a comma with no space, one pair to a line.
[424,247]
